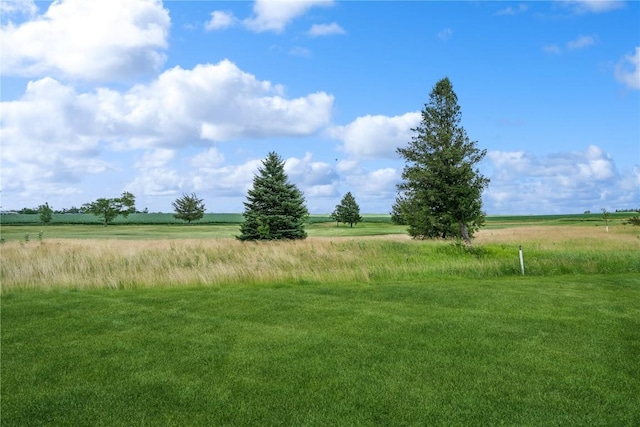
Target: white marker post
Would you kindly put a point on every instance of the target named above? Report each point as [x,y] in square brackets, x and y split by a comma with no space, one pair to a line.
[521,261]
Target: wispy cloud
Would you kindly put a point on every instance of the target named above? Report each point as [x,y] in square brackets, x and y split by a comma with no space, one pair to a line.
[300,51]
[325,30]
[552,48]
[445,34]
[593,6]
[510,10]
[580,42]
[18,7]
[628,69]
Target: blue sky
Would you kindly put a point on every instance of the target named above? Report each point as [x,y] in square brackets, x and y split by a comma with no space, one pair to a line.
[161,99]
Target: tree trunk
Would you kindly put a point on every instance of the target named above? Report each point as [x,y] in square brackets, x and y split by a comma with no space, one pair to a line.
[464,232]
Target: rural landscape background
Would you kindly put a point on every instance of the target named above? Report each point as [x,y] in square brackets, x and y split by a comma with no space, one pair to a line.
[175,324]
[396,309]
[164,98]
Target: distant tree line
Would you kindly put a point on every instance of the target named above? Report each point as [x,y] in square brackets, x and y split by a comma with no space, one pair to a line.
[71,210]
[439,195]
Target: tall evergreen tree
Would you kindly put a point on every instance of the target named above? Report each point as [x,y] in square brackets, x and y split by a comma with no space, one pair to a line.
[347,211]
[275,209]
[440,195]
[188,208]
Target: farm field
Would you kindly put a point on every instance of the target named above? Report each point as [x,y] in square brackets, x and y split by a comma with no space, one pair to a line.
[129,325]
[236,218]
[164,226]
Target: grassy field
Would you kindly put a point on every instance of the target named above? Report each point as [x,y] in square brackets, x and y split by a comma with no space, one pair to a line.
[343,328]
[157,218]
[164,226]
[236,218]
[133,219]
[340,258]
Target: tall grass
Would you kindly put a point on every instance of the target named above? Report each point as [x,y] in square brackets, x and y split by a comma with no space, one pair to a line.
[61,263]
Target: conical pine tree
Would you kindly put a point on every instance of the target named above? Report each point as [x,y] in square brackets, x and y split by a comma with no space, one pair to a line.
[440,195]
[347,211]
[275,209]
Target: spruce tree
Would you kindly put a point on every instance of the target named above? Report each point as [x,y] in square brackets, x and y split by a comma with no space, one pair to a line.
[275,209]
[348,211]
[440,195]
[188,208]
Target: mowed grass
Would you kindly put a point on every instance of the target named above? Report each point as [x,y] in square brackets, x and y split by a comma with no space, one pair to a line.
[511,351]
[333,330]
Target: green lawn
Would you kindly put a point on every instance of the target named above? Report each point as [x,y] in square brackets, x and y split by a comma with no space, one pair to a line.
[513,351]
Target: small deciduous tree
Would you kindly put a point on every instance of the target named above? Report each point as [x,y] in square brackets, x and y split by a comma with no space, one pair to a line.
[46,213]
[440,195]
[605,217]
[109,209]
[348,211]
[188,208]
[275,209]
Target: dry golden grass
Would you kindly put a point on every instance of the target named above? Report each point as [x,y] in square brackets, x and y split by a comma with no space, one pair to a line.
[65,263]
[71,263]
[583,237]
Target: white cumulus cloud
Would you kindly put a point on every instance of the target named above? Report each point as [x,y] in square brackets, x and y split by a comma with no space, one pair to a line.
[155,158]
[211,158]
[228,180]
[220,20]
[379,184]
[156,182]
[376,136]
[315,179]
[61,135]
[98,40]
[270,15]
[524,183]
